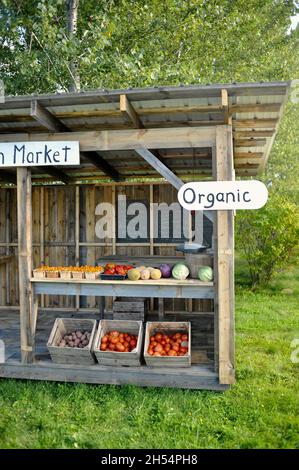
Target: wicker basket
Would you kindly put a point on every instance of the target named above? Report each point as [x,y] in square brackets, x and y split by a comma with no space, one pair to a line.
[61,355]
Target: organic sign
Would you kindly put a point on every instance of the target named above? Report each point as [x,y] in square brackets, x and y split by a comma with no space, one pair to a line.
[223,195]
[14,154]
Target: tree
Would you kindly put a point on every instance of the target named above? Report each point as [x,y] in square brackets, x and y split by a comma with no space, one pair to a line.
[122,43]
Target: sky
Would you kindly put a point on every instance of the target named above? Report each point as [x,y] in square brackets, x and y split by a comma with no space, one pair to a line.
[295,21]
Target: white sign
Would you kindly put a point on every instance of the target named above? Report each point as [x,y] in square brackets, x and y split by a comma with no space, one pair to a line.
[223,195]
[15,154]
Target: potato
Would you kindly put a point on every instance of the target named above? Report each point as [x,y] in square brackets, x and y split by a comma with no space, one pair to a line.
[78,334]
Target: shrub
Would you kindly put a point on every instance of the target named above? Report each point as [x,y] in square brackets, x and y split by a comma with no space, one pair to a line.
[268,237]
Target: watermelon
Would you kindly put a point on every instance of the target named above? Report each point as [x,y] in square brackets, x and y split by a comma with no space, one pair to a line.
[205,273]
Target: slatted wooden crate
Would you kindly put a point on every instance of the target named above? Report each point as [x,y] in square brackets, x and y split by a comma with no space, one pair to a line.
[114,358]
[168,328]
[129,308]
[67,355]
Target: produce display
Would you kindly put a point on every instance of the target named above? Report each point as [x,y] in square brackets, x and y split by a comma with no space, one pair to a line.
[168,345]
[76,339]
[121,269]
[118,342]
[180,271]
[205,273]
[145,273]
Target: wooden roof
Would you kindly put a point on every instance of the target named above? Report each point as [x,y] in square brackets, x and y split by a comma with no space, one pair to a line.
[254,109]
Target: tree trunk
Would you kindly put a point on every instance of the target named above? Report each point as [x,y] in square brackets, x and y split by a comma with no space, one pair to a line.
[72,20]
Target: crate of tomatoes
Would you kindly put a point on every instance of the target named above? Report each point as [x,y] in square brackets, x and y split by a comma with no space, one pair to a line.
[119,342]
[168,344]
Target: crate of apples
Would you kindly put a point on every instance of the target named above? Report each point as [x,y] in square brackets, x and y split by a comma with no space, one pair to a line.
[118,342]
[168,345]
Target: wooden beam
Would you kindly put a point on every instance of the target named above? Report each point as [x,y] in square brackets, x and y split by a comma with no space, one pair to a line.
[127,110]
[8,177]
[254,123]
[255,108]
[46,119]
[160,167]
[250,143]
[224,262]
[52,123]
[248,154]
[245,134]
[224,104]
[24,199]
[99,162]
[53,171]
[181,137]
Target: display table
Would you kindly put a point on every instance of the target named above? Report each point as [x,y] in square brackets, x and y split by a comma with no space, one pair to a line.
[165,288]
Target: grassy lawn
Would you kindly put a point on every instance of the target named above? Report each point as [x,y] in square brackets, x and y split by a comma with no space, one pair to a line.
[260,411]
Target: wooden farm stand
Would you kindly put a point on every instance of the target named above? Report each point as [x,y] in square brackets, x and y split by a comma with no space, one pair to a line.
[130,139]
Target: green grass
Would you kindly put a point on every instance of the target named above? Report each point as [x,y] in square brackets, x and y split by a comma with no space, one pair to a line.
[260,411]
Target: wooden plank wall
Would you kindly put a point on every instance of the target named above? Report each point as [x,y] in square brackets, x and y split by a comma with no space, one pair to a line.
[55,242]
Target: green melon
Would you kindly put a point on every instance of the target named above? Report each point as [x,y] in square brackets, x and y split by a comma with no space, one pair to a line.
[134,274]
[205,273]
[156,274]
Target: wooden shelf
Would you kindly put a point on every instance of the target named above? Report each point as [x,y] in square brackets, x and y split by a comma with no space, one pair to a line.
[162,288]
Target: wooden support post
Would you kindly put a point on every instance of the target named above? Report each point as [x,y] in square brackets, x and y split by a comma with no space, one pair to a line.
[224,263]
[25,262]
[77,235]
[224,104]
[42,234]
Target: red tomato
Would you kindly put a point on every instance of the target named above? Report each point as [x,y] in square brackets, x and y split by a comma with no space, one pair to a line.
[172,353]
[114,334]
[156,354]
[114,340]
[158,337]
[133,343]
[184,337]
[103,346]
[175,347]
[151,352]
[119,347]
[158,348]
[105,339]
[111,347]
[167,347]
[153,338]
[177,335]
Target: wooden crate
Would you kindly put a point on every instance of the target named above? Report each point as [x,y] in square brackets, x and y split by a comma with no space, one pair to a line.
[129,308]
[112,358]
[80,356]
[167,328]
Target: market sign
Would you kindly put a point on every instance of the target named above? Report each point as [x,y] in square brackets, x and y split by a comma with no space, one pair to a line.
[223,195]
[14,154]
